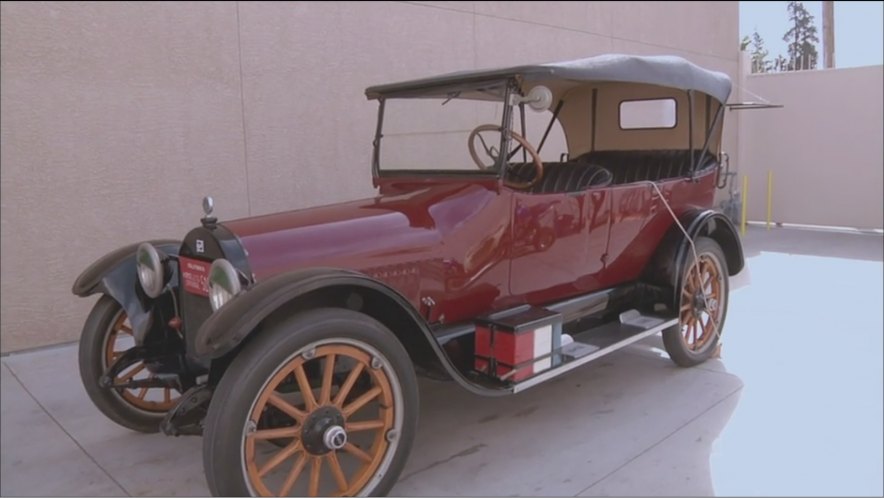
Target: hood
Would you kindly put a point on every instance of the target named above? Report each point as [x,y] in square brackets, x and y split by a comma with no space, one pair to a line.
[406,224]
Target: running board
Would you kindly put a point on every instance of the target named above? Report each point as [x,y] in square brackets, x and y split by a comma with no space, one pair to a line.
[599,341]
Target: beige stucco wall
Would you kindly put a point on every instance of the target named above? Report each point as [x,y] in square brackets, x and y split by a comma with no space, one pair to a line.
[824,147]
[118,117]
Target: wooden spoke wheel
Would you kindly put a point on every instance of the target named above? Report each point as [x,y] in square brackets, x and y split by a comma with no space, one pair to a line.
[702,306]
[150,399]
[325,423]
[336,417]
[700,297]
[106,335]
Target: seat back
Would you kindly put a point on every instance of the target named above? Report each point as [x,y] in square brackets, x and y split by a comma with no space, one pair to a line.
[571,176]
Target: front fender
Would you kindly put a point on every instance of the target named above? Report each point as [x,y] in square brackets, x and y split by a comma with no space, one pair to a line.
[114,274]
[226,328]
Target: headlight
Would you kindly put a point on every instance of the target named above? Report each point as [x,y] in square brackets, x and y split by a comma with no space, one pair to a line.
[150,269]
[223,283]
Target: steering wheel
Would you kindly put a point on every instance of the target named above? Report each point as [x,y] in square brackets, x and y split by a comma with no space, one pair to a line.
[493,153]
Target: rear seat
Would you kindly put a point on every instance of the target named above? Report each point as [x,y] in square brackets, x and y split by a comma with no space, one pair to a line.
[610,167]
[571,176]
[636,165]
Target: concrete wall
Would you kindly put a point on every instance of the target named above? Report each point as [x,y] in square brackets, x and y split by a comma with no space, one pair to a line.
[118,117]
[824,147]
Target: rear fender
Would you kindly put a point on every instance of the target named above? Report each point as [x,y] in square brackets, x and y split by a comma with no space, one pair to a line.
[673,253]
[114,274]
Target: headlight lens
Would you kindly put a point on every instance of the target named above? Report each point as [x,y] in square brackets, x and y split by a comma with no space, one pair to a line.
[150,269]
[223,283]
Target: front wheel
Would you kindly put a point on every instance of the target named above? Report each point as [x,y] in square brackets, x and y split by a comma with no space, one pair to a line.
[703,299]
[324,402]
[106,335]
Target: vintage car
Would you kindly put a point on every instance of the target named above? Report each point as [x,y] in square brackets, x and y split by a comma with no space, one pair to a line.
[527,221]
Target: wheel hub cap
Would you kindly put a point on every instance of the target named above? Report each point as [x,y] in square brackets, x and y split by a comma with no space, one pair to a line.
[323,431]
[335,437]
[699,303]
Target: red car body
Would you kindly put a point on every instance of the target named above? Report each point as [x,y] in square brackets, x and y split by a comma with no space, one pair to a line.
[466,245]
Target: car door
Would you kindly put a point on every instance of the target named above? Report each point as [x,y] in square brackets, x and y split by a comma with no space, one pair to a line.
[559,242]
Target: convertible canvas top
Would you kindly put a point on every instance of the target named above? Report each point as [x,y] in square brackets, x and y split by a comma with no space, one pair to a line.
[669,71]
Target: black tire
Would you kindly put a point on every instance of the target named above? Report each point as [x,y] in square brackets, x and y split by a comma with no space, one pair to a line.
[236,398]
[704,347]
[93,342]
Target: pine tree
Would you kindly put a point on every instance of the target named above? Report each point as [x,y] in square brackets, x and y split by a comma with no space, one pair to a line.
[780,64]
[760,64]
[802,38]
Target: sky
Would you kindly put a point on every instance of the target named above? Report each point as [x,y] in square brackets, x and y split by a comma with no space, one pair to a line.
[859,29]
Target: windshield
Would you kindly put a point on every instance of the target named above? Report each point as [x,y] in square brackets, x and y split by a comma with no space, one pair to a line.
[433,132]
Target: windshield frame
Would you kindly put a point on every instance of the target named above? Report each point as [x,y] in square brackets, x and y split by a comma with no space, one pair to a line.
[495,170]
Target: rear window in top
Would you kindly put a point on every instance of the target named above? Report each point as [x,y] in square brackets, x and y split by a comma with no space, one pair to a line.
[647,114]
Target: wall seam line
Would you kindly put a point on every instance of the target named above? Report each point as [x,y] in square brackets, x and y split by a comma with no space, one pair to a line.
[242,107]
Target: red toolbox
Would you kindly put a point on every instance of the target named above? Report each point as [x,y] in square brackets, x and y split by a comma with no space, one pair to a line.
[518,344]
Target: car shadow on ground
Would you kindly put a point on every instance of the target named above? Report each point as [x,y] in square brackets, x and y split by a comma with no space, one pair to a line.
[584,433]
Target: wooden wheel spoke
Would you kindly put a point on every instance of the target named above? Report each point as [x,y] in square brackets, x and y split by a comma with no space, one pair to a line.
[357,452]
[315,473]
[365,426]
[337,471]
[304,386]
[281,432]
[325,391]
[698,277]
[708,327]
[290,480]
[691,277]
[287,408]
[142,393]
[133,372]
[361,401]
[167,395]
[125,329]
[279,457]
[348,384]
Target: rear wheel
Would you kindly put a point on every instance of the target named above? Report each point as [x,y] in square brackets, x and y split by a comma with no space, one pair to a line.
[324,402]
[703,299]
[106,335]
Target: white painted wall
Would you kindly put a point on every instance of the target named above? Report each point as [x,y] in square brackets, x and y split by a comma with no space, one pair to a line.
[824,147]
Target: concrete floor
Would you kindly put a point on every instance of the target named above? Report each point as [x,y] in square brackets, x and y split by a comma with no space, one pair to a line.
[793,407]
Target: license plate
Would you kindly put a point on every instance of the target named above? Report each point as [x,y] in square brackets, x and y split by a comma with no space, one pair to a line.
[194,275]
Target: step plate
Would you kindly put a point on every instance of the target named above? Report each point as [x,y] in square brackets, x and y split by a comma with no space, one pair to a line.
[602,340]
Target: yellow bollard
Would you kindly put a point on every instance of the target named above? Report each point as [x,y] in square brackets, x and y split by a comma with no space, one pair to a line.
[743,207]
[769,196]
